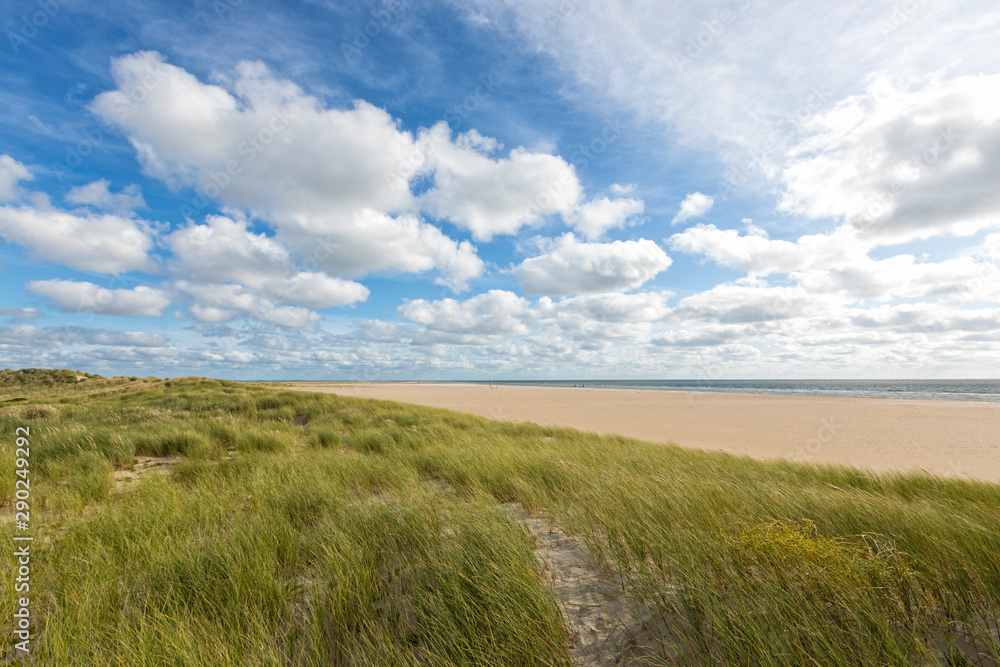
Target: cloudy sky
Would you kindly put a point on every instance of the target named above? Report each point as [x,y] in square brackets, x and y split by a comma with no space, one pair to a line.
[501,189]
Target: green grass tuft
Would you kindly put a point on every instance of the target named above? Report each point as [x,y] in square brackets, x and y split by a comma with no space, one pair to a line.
[265,439]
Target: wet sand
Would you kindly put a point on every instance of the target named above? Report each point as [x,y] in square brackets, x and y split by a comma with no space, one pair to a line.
[950,438]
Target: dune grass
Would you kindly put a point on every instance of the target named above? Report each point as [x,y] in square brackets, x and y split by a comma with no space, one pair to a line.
[308,529]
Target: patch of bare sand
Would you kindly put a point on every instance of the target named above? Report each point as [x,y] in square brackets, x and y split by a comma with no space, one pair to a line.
[142,467]
[603,628]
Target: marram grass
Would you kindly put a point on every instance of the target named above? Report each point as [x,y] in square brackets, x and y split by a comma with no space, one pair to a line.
[295,528]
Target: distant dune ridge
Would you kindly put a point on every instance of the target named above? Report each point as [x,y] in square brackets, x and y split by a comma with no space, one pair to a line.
[42,377]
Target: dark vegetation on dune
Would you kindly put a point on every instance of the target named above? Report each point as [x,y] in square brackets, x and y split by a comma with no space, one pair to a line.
[42,377]
[202,522]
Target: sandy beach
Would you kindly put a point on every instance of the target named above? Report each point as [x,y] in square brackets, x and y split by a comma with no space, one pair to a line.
[949,438]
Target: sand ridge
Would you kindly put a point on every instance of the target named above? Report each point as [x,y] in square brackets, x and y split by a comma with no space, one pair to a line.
[949,438]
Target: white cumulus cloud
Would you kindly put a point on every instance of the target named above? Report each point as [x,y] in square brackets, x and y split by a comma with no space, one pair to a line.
[694,205]
[572,267]
[731,303]
[903,162]
[215,303]
[373,242]
[491,197]
[223,250]
[20,314]
[334,183]
[613,307]
[11,171]
[756,253]
[103,243]
[99,195]
[492,313]
[316,290]
[598,216]
[85,297]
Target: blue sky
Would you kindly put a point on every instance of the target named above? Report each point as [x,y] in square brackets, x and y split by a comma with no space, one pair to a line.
[501,189]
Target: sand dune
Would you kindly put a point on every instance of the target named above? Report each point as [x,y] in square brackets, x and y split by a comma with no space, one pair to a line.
[952,438]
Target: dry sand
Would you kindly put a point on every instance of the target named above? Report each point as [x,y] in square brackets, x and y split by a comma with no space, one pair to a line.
[951,438]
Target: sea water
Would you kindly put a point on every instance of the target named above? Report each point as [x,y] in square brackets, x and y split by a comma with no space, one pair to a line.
[949,390]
